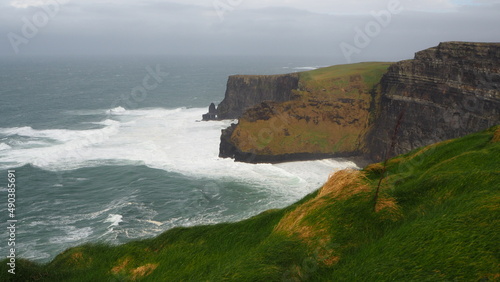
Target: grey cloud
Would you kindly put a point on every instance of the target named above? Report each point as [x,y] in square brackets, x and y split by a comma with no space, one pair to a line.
[166,28]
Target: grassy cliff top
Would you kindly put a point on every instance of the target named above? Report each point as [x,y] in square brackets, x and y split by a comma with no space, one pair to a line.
[436,219]
[343,80]
[370,70]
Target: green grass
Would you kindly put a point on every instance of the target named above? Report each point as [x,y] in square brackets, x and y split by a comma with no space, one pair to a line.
[336,71]
[450,230]
[445,226]
[340,76]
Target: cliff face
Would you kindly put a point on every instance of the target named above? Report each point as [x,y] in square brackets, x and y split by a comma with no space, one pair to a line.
[244,91]
[445,92]
[328,116]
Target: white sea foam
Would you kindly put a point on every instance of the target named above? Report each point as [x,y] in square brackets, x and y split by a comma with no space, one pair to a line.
[305,68]
[157,223]
[114,219]
[168,139]
[61,135]
[116,110]
[108,122]
[4,146]
[72,234]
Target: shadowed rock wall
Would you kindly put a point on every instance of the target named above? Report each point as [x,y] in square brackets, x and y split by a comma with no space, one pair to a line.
[245,91]
[445,92]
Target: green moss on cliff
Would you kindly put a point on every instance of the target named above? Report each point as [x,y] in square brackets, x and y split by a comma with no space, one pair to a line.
[330,114]
[436,219]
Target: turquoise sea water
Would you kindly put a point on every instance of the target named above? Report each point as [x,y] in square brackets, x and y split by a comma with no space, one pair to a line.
[112,149]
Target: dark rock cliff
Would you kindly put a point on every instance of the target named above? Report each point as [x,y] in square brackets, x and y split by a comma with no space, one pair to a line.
[244,91]
[445,92]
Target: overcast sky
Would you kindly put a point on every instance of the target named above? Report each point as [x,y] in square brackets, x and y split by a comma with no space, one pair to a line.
[331,28]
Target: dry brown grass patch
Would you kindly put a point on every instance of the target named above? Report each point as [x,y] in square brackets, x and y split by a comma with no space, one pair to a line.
[331,260]
[135,273]
[375,168]
[121,266]
[395,161]
[390,206]
[293,223]
[144,270]
[344,183]
[78,259]
[496,136]
[386,203]
[340,185]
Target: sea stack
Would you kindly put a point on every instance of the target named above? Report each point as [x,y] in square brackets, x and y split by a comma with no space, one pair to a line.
[212,113]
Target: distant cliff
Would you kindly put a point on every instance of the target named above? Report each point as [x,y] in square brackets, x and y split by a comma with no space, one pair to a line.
[445,92]
[245,91]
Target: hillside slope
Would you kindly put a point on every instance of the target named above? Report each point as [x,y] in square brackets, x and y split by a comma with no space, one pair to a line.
[437,218]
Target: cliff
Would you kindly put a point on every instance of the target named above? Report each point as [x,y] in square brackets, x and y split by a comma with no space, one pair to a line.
[444,92]
[244,91]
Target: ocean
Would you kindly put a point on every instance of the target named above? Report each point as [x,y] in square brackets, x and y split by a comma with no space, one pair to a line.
[112,149]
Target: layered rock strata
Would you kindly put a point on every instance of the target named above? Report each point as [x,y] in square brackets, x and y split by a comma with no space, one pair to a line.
[445,92]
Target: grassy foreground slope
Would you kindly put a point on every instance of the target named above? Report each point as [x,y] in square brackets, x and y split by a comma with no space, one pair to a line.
[330,113]
[437,218]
